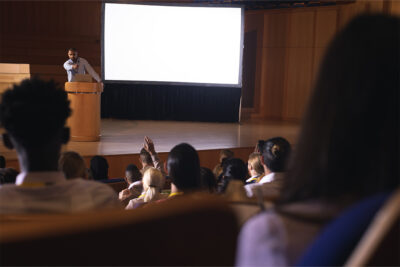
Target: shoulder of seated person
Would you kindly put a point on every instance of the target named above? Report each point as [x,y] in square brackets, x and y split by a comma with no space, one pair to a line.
[252,185]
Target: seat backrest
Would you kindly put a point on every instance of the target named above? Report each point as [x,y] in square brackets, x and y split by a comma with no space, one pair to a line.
[339,238]
[187,230]
[380,245]
[118,184]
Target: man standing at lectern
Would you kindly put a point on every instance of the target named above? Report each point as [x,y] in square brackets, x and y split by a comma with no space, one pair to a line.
[77,65]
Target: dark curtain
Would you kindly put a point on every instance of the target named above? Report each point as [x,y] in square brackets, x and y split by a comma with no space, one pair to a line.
[170,102]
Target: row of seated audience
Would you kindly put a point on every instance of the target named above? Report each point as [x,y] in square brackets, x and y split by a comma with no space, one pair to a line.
[347,150]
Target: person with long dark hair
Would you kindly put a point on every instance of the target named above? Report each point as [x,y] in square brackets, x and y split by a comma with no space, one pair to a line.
[183,167]
[233,170]
[348,147]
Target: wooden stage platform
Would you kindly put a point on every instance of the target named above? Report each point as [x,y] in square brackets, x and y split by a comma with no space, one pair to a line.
[122,140]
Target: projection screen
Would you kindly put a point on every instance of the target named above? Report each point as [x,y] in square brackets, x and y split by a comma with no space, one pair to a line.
[172,44]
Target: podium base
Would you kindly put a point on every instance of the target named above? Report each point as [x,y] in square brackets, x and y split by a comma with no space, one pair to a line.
[84,122]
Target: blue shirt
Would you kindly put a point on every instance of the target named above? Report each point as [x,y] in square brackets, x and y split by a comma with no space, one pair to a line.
[83,67]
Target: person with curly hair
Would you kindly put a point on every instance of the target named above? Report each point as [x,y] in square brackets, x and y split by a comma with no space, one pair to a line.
[33,114]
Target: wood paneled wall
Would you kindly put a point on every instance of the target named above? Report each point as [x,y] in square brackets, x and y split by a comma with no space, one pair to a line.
[293,44]
[40,32]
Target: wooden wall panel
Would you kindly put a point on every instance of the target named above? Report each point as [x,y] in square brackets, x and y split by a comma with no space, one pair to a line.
[40,32]
[298,64]
[254,23]
[325,29]
[375,6]
[272,68]
[275,29]
[301,29]
[348,12]
[297,82]
[52,17]
[249,69]
[272,81]
[394,7]
[302,35]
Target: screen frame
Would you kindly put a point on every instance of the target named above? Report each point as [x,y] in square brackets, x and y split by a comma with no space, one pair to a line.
[240,82]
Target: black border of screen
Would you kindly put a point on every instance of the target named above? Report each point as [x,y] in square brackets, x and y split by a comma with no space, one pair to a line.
[239,85]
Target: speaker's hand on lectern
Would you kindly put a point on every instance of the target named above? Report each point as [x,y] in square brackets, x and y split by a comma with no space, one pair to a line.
[101,85]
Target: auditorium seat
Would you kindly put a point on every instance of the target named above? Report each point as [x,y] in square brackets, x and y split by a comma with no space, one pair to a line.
[365,234]
[189,230]
[118,184]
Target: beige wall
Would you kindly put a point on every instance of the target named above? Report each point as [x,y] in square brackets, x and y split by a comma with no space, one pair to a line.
[293,43]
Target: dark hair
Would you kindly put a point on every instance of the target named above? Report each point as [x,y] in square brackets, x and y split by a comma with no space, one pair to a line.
[72,164]
[349,142]
[8,176]
[136,175]
[73,49]
[145,156]
[226,153]
[184,167]
[2,162]
[233,169]
[34,111]
[276,152]
[99,168]
[208,180]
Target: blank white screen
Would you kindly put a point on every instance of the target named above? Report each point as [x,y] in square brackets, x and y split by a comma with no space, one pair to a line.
[172,44]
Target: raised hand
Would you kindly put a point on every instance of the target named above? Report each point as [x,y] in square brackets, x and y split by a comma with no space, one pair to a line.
[149,145]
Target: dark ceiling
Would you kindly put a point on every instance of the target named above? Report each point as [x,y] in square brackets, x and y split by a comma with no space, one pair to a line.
[274,4]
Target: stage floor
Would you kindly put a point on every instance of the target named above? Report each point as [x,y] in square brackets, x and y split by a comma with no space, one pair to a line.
[121,137]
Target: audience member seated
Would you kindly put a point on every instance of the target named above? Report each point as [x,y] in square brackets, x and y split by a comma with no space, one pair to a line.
[153,182]
[8,175]
[99,168]
[2,162]
[255,168]
[145,160]
[35,128]
[72,165]
[133,178]
[274,156]
[234,175]
[348,148]
[208,181]
[224,154]
[183,167]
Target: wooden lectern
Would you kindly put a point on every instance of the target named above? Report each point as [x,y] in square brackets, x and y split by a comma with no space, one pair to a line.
[85,99]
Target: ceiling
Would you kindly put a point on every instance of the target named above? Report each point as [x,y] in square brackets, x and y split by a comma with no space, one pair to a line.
[274,4]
